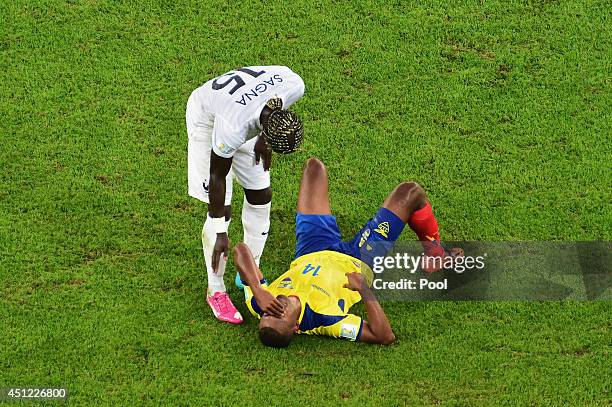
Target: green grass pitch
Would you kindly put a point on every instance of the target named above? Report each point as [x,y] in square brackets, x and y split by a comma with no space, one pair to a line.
[500,109]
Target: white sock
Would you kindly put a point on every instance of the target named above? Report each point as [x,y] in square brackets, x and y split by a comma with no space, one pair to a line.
[215,281]
[256,224]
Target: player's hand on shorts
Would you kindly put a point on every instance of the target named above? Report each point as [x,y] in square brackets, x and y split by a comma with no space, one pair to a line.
[221,249]
[355,282]
[269,304]
[263,151]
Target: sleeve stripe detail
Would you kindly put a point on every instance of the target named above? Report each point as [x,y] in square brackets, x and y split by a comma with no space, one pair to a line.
[359,333]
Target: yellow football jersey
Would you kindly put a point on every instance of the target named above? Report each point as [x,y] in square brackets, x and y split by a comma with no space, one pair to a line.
[317,279]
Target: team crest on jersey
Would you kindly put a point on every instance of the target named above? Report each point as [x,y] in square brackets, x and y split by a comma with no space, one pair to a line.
[383,229]
[224,148]
[286,283]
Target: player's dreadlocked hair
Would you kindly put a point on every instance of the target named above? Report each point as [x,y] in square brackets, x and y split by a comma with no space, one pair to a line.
[284,131]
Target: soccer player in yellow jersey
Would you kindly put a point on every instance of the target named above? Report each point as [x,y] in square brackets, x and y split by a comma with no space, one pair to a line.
[328,276]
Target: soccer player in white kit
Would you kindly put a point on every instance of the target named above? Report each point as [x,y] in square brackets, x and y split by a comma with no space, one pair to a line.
[234,122]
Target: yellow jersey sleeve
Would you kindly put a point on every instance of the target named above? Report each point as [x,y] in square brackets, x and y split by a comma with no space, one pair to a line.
[251,304]
[348,328]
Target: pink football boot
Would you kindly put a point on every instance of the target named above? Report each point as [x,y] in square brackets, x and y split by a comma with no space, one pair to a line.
[223,308]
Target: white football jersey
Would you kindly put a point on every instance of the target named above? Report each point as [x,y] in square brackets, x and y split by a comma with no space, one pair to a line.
[235,99]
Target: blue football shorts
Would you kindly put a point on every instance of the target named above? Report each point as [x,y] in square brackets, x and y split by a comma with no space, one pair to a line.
[320,232]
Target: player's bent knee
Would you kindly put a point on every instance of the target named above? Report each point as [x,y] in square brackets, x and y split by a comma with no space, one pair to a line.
[258,197]
[408,186]
[408,193]
[315,167]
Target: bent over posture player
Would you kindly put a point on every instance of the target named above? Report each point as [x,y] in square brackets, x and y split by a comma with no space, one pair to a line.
[234,122]
[326,276]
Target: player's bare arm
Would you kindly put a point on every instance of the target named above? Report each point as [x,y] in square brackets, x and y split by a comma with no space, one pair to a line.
[250,274]
[377,329]
[219,168]
[263,152]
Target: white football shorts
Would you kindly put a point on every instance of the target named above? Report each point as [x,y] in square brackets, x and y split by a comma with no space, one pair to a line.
[199,132]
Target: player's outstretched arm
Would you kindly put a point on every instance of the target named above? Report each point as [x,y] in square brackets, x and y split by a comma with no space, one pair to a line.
[219,168]
[251,275]
[377,329]
[247,268]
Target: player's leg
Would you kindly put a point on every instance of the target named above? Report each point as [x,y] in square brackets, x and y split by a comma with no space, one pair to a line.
[199,130]
[313,197]
[198,174]
[256,219]
[257,200]
[209,238]
[405,199]
[408,201]
[406,204]
[315,227]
